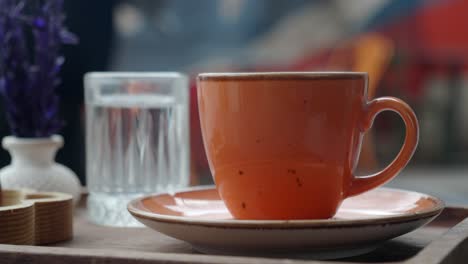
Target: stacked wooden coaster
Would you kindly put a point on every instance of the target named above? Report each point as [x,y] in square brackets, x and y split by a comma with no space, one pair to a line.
[29,218]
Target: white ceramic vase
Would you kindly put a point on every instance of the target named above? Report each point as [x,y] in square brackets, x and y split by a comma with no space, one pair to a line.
[33,166]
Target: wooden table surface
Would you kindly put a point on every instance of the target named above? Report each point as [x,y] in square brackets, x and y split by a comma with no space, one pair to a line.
[439,242]
[434,243]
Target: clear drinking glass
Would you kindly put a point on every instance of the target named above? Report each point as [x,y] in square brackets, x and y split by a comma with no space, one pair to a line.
[137,140]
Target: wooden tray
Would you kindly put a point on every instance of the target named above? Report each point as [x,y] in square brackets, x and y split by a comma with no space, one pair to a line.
[445,240]
[35,218]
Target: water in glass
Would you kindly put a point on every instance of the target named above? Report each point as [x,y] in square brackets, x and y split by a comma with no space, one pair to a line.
[137,144]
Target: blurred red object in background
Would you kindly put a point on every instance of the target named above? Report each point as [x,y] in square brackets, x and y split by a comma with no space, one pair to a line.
[199,162]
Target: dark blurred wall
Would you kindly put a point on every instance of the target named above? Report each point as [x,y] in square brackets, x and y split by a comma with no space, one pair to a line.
[91,21]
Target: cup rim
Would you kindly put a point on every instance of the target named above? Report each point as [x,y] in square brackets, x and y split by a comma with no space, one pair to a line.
[281,75]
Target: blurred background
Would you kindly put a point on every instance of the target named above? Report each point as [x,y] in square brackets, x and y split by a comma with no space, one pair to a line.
[416,50]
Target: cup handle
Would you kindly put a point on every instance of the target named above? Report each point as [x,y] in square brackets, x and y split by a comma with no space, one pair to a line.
[373,108]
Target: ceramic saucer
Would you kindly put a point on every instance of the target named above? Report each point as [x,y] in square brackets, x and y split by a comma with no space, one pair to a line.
[199,217]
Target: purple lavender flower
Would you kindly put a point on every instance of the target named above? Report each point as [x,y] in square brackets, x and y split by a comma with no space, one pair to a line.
[31,35]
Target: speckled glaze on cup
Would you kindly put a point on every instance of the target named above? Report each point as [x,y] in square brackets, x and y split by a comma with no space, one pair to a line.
[286,145]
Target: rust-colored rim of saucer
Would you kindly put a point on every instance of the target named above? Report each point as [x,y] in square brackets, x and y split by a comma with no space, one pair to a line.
[286,224]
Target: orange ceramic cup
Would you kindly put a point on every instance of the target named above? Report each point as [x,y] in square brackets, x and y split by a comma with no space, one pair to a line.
[286,145]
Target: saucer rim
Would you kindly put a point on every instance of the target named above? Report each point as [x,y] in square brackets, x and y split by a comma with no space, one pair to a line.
[439,205]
